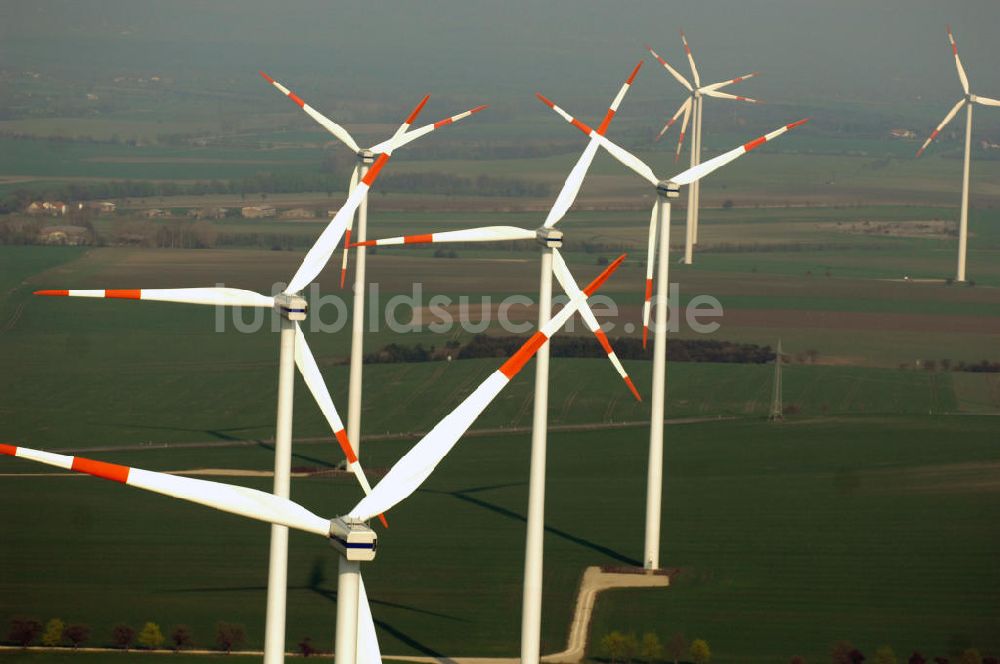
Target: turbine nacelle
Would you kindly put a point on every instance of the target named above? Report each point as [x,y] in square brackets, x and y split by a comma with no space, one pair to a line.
[549,237]
[366,156]
[353,539]
[668,188]
[292,307]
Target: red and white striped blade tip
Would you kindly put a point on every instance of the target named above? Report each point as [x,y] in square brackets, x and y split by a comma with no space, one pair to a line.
[416,110]
[266,77]
[631,386]
[603,276]
[635,72]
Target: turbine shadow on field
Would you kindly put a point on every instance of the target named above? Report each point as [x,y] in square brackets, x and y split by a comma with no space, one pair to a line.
[463,495]
[218,434]
[401,636]
[300,456]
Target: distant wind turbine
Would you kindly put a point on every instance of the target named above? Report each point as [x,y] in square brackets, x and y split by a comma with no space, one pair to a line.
[692,106]
[968,100]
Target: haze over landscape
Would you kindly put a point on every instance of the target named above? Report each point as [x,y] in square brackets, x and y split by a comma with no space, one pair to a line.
[852,508]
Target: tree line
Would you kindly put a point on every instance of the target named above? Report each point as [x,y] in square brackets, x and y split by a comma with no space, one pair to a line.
[27,632]
[276,183]
[627,348]
[617,646]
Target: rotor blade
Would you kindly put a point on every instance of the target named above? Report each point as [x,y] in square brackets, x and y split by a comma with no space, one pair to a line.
[416,465]
[625,157]
[568,283]
[426,129]
[481,234]
[320,252]
[403,128]
[684,126]
[225,497]
[958,62]
[937,130]
[703,169]
[673,72]
[350,225]
[616,102]
[722,84]
[317,257]
[306,363]
[368,651]
[229,297]
[986,101]
[694,69]
[686,104]
[571,187]
[726,95]
[650,258]
[326,122]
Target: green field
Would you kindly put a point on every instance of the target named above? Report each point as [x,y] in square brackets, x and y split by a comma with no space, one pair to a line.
[867,515]
[875,529]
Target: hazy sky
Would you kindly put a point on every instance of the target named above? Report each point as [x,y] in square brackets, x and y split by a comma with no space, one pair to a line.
[887,52]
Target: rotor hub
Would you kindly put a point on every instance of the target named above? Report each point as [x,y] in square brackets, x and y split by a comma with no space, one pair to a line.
[366,157]
[353,539]
[292,307]
[668,189]
[549,237]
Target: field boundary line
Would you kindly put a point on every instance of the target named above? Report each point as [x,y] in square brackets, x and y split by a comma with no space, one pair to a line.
[492,431]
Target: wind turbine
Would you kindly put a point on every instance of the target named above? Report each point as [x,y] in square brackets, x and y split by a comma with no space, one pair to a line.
[551,263]
[968,100]
[293,350]
[366,157]
[692,106]
[660,223]
[355,633]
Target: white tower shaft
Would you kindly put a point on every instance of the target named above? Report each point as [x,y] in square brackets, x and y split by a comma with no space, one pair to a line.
[358,325]
[692,204]
[654,478]
[277,573]
[697,183]
[346,643]
[531,602]
[963,222]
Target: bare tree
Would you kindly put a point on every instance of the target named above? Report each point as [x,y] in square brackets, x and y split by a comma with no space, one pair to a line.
[181,636]
[677,646]
[122,636]
[23,631]
[229,636]
[76,634]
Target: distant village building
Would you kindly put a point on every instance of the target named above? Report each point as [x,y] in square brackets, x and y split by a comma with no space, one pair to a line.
[154,213]
[902,133]
[50,208]
[298,213]
[987,145]
[208,212]
[258,211]
[64,235]
[101,207]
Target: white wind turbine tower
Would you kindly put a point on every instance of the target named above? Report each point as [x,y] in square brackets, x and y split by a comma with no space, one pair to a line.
[968,100]
[355,632]
[552,263]
[660,224]
[292,307]
[366,157]
[692,106]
